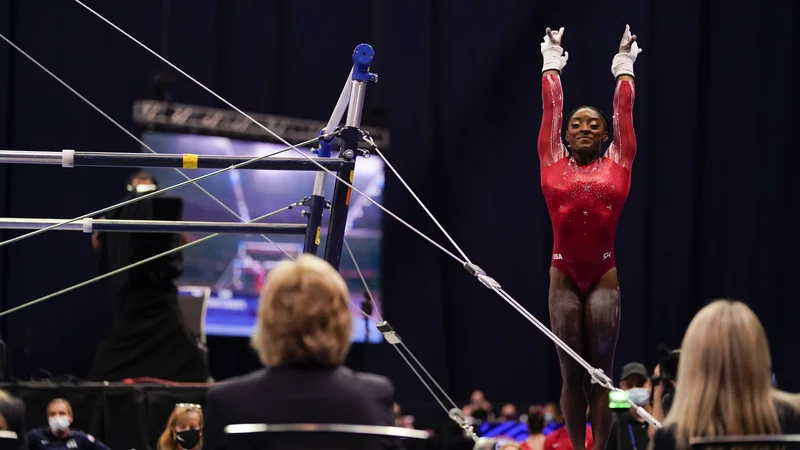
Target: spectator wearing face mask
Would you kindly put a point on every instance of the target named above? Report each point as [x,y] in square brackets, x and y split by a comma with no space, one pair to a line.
[184,430]
[550,424]
[508,413]
[559,438]
[636,382]
[59,435]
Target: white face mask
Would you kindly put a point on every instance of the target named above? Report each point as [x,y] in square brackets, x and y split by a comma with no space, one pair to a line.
[639,396]
[58,423]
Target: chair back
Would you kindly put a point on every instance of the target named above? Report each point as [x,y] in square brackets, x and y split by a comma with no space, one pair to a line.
[316,436]
[193,302]
[756,441]
[10,441]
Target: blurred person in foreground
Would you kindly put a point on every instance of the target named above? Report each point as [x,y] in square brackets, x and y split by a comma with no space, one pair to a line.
[724,384]
[302,337]
[12,411]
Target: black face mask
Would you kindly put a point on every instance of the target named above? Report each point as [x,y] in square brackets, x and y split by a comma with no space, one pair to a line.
[188,439]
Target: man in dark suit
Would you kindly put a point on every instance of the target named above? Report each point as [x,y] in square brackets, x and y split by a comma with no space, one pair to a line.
[302,336]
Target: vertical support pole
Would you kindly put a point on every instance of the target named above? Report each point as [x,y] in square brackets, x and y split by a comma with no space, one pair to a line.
[315,206]
[363,55]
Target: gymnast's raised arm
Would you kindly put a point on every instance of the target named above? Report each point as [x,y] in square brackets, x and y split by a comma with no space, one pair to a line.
[623,148]
[551,149]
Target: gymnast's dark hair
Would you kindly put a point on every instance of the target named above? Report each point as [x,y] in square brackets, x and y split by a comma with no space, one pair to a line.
[609,128]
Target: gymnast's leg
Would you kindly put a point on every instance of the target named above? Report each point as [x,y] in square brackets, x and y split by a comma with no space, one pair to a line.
[601,319]
[566,321]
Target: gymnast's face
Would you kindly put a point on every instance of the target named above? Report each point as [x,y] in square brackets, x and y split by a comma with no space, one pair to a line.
[586,131]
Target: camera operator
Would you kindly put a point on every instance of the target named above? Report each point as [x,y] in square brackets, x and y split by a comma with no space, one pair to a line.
[663,382]
[150,337]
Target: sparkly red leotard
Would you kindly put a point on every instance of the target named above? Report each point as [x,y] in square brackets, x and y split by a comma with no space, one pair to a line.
[585,202]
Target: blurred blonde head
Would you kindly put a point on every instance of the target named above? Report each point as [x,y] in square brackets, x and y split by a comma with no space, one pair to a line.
[4,397]
[510,446]
[724,376]
[303,315]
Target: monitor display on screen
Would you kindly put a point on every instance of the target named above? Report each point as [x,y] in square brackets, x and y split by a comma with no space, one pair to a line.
[234,266]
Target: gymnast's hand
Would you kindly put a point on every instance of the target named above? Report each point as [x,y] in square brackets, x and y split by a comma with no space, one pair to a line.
[551,50]
[622,65]
[628,44]
[553,37]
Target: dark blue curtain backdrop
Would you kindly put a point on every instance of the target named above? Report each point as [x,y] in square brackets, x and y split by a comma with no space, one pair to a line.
[713,211]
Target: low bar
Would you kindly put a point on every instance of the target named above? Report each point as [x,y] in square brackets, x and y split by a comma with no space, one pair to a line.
[154,226]
[70,158]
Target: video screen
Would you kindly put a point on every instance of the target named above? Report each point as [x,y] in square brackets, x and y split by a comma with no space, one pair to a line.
[230,269]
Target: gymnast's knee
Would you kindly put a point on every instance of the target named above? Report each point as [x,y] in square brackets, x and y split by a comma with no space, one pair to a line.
[572,377]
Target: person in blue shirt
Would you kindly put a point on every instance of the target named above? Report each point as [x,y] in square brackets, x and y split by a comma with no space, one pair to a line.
[58,435]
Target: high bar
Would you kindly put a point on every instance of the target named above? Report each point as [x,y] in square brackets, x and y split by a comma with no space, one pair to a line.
[155,226]
[72,158]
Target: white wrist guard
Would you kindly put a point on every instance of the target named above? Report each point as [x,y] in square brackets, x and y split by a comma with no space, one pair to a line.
[552,57]
[623,62]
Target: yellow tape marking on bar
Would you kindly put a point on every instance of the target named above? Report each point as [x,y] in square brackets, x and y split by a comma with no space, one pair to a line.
[316,239]
[189,161]
[349,190]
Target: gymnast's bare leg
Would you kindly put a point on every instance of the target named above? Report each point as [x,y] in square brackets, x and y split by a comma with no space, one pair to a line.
[567,322]
[590,326]
[601,328]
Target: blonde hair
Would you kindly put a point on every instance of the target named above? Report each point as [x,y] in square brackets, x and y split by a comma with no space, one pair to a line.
[724,381]
[167,441]
[60,400]
[303,315]
[4,396]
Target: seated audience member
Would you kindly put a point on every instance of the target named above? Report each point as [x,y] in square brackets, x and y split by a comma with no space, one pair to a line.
[550,423]
[481,408]
[12,410]
[401,420]
[302,336]
[508,413]
[58,434]
[634,380]
[559,438]
[184,430]
[535,439]
[724,382]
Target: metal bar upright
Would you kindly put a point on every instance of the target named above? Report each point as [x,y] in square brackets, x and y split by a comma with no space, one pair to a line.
[363,55]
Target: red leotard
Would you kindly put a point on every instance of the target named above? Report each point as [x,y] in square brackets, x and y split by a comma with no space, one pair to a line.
[585,202]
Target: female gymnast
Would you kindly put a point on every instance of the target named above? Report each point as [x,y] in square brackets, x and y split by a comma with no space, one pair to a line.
[585,191]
